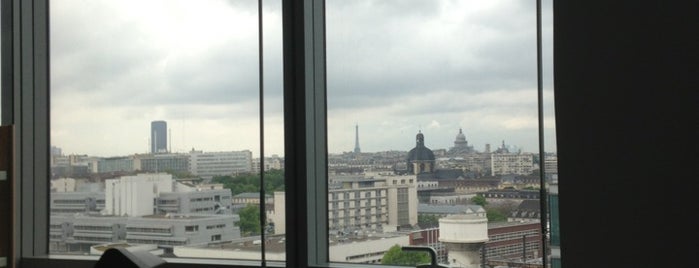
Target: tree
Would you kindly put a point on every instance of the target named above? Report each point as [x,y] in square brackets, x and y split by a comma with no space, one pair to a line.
[396,256]
[249,220]
[495,215]
[479,200]
[245,183]
[427,220]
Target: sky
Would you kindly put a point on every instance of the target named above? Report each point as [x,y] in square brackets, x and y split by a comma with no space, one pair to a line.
[394,68]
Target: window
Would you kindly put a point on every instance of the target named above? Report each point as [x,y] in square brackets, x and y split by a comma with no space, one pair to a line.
[160,109]
[437,90]
[304,107]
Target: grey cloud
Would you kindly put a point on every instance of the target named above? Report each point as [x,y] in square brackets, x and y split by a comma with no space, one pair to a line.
[373,59]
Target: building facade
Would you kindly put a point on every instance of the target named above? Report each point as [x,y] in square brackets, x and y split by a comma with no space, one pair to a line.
[195,202]
[158,137]
[209,164]
[76,234]
[513,241]
[511,163]
[135,195]
[76,202]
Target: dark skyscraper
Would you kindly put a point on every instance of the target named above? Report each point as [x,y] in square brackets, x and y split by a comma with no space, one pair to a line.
[356,139]
[158,137]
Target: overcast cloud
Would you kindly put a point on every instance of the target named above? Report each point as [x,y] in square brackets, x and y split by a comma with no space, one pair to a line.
[395,67]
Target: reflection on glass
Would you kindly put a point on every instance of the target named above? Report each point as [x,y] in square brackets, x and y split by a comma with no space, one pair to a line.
[155,127]
[433,132]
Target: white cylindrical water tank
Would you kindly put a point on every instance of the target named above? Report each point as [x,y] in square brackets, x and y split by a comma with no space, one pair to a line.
[463,228]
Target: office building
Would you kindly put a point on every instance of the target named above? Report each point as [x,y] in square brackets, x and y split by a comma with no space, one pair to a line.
[511,163]
[76,234]
[165,162]
[195,202]
[115,164]
[135,195]
[378,202]
[76,202]
[210,164]
[158,137]
[171,230]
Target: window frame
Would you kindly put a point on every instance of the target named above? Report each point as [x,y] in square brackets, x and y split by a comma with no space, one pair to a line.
[25,104]
[25,48]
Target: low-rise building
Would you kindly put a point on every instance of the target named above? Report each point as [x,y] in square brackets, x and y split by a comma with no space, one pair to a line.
[195,202]
[509,241]
[77,234]
[511,163]
[229,163]
[361,248]
[76,202]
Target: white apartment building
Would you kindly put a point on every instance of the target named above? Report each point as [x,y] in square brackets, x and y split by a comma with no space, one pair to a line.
[135,195]
[211,164]
[512,163]
[363,202]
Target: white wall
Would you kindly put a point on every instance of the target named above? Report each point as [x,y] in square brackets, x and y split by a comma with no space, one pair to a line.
[134,195]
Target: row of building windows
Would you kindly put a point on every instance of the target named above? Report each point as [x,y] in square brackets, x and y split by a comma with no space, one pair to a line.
[352,224]
[92,238]
[93,228]
[368,217]
[70,201]
[353,212]
[201,199]
[149,230]
[358,204]
[156,242]
[218,226]
[207,209]
[339,194]
[514,250]
[513,235]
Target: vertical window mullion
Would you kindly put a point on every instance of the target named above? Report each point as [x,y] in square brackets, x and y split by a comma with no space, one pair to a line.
[31,120]
[319,189]
[304,119]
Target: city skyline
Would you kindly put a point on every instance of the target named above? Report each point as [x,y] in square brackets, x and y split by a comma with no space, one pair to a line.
[477,148]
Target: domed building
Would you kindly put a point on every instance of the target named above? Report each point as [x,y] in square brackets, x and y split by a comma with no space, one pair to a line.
[461,145]
[420,159]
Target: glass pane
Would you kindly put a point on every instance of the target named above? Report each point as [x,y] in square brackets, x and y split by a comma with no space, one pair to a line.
[551,157]
[155,127]
[433,133]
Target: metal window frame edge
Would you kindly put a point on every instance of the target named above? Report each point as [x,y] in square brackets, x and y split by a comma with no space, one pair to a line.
[30,117]
[26,105]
